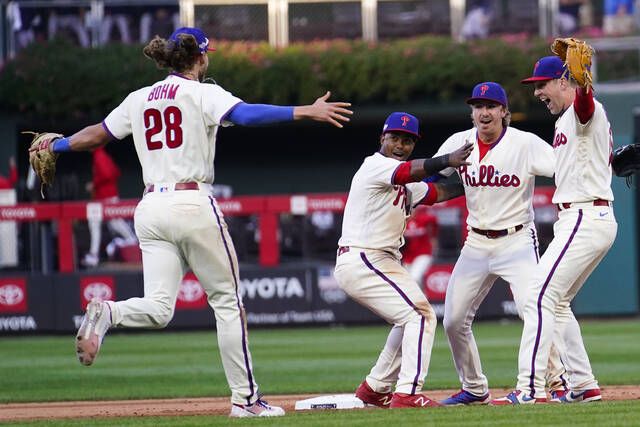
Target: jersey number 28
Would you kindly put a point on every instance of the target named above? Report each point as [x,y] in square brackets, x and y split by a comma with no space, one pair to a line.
[169,120]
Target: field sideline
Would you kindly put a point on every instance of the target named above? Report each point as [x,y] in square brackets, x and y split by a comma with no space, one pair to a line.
[298,361]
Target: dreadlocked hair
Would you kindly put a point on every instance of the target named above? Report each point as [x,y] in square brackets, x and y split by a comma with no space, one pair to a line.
[179,55]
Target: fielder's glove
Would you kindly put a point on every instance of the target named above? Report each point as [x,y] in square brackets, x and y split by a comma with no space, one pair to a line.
[626,161]
[576,55]
[42,159]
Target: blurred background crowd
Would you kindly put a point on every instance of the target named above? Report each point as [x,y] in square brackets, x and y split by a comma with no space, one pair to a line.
[98,22]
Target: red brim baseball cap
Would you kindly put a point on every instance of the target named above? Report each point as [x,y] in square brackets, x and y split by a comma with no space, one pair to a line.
[547,68]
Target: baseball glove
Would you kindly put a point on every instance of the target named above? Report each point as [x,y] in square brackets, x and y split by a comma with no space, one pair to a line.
[576,55]
[42,159]
[626,161]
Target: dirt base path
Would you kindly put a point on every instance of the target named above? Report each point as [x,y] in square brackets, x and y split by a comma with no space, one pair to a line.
[202,406]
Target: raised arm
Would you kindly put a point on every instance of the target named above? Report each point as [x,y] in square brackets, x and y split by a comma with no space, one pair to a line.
[263,114]
[418,169]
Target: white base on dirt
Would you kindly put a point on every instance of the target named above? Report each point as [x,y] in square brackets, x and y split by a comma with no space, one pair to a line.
[334,401]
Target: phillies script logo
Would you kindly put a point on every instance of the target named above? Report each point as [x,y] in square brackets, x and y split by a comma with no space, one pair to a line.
[559,139]
[483,89]
[101,287]
[405,120]
[13,296]
[191,296]
[488,176]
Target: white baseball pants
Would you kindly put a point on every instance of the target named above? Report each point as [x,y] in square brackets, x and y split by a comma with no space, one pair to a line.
[180,229]
[482,260]
[378,281]
[583,235]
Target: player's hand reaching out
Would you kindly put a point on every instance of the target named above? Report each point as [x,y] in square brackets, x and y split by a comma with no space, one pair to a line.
[459,156]
[323,111]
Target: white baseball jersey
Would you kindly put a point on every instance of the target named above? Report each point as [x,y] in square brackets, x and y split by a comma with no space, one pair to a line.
[174,124]
[166,120]
[376,212]
[499,188]
[583,157]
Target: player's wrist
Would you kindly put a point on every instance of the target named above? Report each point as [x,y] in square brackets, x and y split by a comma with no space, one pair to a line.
[60,145]
[435,164]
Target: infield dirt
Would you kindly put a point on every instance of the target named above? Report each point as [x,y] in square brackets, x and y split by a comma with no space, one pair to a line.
[204,406]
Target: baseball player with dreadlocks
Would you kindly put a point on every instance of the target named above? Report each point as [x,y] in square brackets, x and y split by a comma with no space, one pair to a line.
[178,222]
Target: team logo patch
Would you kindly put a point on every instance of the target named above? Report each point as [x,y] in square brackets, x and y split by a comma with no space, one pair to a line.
[483,89]
[405,120]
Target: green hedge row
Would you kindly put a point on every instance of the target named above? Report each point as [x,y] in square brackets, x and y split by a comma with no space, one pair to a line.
[59,80]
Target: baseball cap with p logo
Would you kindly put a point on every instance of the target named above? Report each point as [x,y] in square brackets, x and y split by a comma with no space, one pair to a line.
[402,122]
[547,68]
[198,34]
[488,91]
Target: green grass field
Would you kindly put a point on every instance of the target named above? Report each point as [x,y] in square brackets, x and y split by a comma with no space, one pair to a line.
[309,360]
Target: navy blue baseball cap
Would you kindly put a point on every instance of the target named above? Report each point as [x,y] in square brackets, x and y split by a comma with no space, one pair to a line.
[547,68]
[402,122]
[198,34]
[488,91]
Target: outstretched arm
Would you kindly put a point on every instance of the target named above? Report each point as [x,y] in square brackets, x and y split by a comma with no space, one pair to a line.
[263,114]
[87,139]
[417,170]
[323,111]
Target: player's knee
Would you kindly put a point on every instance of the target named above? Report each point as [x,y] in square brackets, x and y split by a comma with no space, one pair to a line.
[162,316]
[425,310]
[453,324]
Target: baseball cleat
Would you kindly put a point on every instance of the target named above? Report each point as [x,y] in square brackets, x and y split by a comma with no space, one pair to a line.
[371,397]
[586,396]
[259,408]
[94,326]
[463,397]
[402,400]
[517,397]
[556,395]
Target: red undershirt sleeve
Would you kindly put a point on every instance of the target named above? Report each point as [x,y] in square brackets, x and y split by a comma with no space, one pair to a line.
[402,174]
[432,195]
[584,105]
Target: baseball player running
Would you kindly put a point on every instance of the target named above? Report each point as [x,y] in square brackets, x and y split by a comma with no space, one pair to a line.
[584,232]
[383,193]
[502,240]
[178,222]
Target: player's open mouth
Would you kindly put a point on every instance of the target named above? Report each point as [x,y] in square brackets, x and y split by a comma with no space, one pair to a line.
[546,101]
[400,155]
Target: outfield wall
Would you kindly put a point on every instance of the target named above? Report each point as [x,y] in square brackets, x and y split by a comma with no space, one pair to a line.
[292,295]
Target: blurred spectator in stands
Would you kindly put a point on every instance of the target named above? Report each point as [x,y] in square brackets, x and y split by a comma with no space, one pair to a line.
[119,17]
[104,188]
[420,241]
[618,17]
[477,21]
[8,182]
[27,24]
[569,16]
[69,18]
[160,22]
